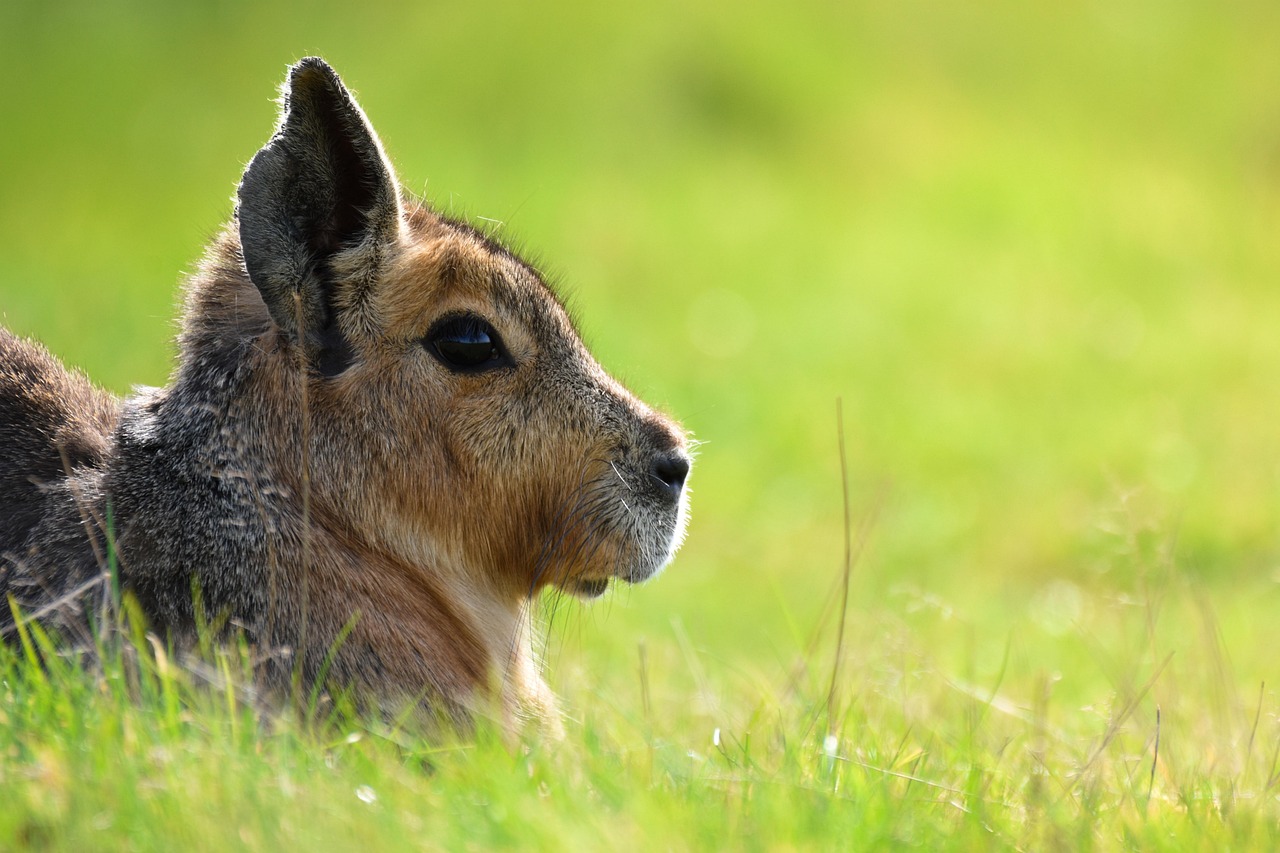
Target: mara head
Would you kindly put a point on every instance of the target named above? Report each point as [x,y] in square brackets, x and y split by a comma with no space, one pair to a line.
[423,387]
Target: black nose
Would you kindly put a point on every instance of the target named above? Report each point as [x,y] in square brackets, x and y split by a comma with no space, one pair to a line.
[670,469]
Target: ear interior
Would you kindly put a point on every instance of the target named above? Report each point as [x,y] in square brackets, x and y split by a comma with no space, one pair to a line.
[336,144]
[321,185]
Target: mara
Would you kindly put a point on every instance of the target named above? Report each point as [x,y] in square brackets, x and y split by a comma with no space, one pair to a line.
[381,440]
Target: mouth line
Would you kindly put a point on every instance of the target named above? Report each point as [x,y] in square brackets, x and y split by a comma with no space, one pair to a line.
[589,588]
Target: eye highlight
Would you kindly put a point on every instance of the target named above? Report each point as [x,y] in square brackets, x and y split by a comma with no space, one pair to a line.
[466,343]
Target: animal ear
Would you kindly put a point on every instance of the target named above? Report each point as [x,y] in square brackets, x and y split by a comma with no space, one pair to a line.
[320,187]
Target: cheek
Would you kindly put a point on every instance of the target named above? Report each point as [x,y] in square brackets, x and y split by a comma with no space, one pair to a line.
[383,410]
[520,458]
[494,468]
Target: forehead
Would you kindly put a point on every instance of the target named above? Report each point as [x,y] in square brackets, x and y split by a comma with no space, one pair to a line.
[448,265]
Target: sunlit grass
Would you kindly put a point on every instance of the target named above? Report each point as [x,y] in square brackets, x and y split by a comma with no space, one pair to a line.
[920,740]
[1033,251]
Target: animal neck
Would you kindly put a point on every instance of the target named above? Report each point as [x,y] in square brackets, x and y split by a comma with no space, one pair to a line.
[418,607]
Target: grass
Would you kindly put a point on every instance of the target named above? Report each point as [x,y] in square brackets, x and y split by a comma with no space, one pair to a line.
[146,752]
[1032,250]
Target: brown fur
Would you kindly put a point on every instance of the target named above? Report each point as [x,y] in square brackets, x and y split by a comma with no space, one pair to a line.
[317,461]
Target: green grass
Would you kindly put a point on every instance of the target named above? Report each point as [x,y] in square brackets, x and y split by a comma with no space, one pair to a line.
[1033,250]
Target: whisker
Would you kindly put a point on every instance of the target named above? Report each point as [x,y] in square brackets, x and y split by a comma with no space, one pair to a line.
[621,479]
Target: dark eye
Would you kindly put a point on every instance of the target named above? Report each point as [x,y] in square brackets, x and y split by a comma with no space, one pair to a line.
[466,343]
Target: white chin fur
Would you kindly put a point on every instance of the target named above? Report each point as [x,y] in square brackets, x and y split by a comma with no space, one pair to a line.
[660,557]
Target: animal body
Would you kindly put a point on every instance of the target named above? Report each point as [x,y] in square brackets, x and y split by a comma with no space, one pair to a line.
[382,438]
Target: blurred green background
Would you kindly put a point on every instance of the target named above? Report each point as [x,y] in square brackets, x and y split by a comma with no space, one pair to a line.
[1032,247]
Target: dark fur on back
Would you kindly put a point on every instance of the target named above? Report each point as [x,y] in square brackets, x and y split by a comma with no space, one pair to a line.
[327,460]
[55,440]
